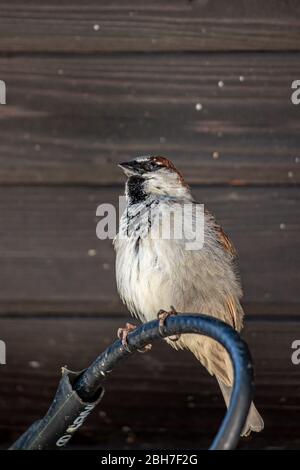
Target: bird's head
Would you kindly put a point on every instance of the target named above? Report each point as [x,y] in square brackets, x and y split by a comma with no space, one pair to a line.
[155,176]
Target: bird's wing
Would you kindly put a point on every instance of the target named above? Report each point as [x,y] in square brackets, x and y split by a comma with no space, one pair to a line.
[233,305]
[225,241]
[222,237]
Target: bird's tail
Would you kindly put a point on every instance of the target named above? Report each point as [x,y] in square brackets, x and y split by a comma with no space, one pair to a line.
[217,361]
[254,421]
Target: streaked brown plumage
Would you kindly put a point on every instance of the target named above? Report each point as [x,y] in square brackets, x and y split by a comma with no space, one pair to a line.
[155,273]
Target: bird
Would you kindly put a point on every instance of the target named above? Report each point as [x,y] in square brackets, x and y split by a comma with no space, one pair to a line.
[159,276]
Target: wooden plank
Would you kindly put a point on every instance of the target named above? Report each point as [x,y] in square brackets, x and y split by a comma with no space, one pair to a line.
[162,399]
[198,25]
[51,260]
[68,121]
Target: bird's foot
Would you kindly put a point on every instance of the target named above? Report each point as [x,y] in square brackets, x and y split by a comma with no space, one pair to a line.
[123,333]
[162,316]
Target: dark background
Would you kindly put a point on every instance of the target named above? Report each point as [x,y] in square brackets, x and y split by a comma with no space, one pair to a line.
[81,98]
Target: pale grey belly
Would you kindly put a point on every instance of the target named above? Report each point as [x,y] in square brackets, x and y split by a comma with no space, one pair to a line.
[149,286]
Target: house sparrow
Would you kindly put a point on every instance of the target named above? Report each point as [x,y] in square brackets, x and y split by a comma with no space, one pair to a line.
[154,273]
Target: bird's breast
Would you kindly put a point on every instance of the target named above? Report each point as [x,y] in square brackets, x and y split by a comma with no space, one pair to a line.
[154,273]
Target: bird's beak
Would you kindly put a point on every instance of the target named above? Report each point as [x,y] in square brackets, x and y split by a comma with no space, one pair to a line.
[129,168]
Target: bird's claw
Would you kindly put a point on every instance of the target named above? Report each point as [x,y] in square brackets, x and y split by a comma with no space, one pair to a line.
[123,333]
[162,316]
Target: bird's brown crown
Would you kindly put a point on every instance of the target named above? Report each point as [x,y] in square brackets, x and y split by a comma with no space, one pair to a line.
[166,163]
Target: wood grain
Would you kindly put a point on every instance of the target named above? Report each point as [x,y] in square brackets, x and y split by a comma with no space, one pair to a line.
[163,399]
[51,260]
[180,25]
[204,82]
[68,121]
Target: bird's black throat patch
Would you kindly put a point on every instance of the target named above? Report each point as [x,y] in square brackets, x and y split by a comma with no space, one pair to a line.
[135,189]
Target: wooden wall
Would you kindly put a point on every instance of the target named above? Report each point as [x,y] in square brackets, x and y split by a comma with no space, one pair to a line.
[90,84]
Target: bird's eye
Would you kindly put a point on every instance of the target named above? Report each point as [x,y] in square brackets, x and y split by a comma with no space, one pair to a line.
[149,166]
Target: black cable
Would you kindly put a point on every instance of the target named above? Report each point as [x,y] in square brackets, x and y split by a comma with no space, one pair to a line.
[232,425]
[77,396]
